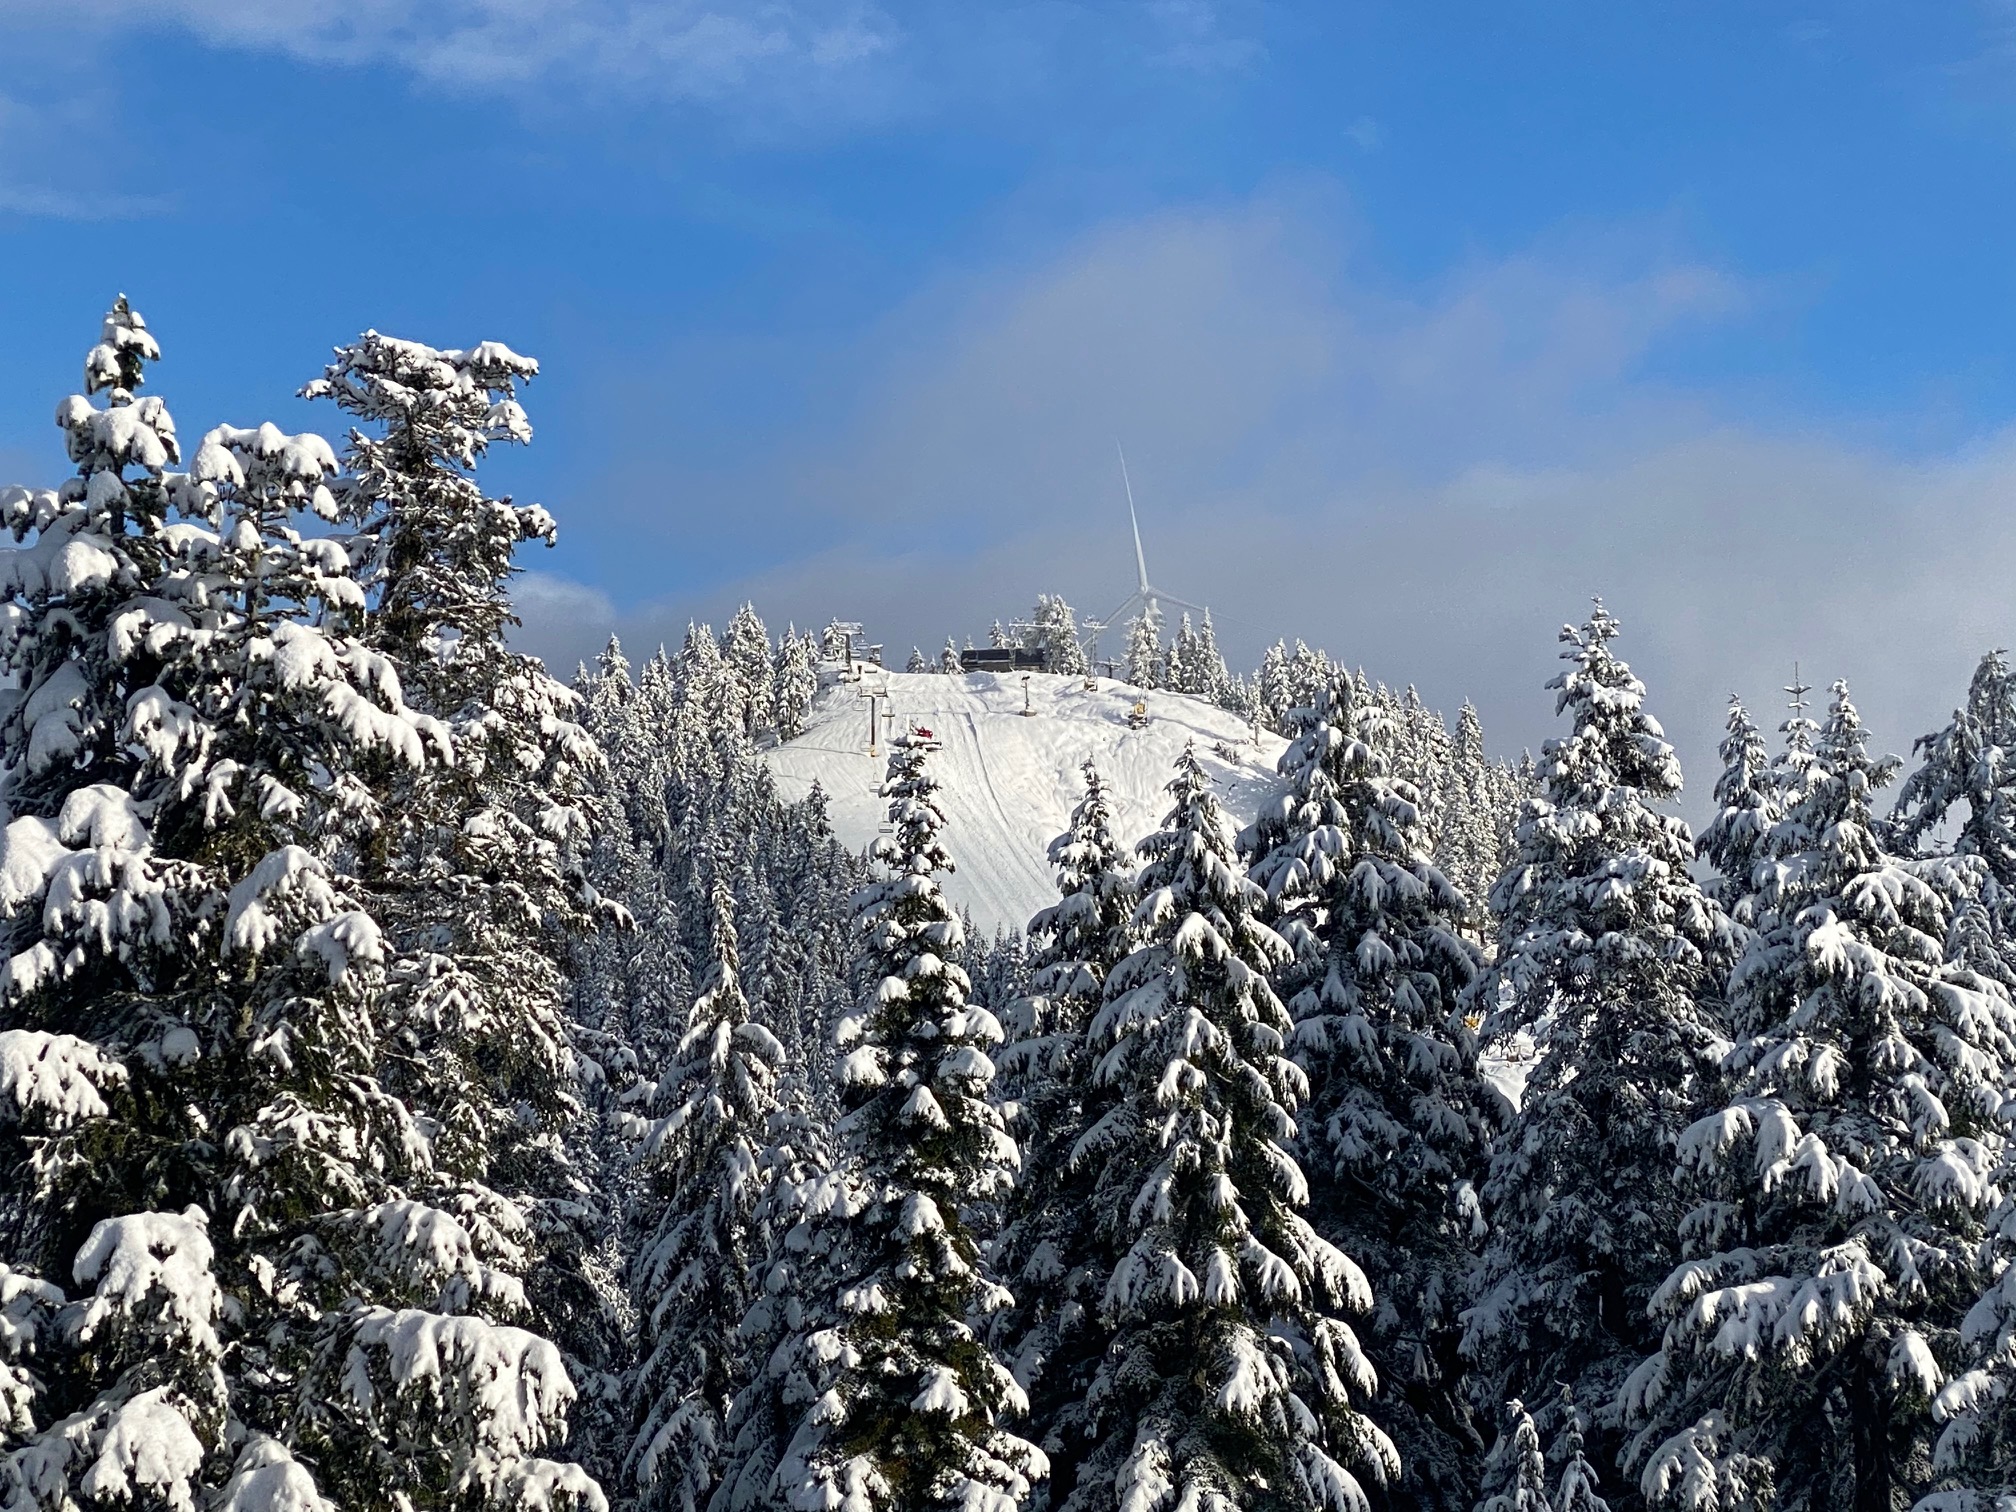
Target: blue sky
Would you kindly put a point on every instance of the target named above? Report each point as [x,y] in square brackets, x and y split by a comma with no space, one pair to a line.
[1421,322]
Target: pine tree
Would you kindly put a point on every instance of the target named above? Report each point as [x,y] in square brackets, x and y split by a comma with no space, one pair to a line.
[1398,1118]
[836,642]
[702,1149]
[1843,1191]
[1146,665]
[278,1223]
[1971,762]
[1213,680]
[1974,1457]
[1230,1380]
[1271,688]
[1309,674]
[1746,807]
[1050,1249]
[948,659]
[1515,1472]
[911,1414]
[482,882]
[746,654]
[796,685]
[1186,674]
[787,1332]
[1055,634]
[1602,957]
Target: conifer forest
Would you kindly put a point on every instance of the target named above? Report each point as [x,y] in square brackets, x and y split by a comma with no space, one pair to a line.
[431,1084]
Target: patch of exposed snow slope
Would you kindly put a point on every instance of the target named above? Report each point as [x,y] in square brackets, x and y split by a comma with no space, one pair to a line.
[1009,782]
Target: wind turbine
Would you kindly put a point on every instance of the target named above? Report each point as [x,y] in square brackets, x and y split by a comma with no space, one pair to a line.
[1145,595]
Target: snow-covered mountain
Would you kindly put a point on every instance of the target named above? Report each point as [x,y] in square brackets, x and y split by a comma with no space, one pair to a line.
[1009,780]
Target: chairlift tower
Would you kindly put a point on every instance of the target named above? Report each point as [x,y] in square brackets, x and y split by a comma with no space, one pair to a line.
[873,693]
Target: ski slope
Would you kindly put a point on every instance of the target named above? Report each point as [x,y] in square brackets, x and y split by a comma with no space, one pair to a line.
[1009,782]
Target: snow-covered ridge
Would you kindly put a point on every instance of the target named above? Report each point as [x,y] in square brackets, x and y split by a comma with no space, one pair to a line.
[1008,781]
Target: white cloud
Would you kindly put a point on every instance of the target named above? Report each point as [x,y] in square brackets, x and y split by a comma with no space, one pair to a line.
[1426,483]
[768,65]
[698,49]
[563,621]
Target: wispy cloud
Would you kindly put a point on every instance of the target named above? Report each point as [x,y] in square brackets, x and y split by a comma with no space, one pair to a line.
[50,165]
[777,61]
[1198,35]
[692,49]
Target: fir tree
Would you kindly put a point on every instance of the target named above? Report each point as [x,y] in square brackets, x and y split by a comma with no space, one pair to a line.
[1398,1118]
[1230,1380]
[1209,674]
[797,683]
[1602,958]
[482,880]
[1055,634]
[1515,1472]
[1051,1249]
[746,655]
[1746,807]
[803,1214]
[1972,762]
[702,1148]
[1842,1193]
[1146,665]
[911,1416]
[1186,674]
[287,1243]
[1272,690]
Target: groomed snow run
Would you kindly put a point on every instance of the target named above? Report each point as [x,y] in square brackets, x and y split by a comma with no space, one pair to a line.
[1009,782]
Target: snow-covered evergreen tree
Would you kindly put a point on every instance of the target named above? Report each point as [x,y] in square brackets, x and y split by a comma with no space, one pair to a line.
[1602,957]
[1974,1457]
[1970,763]
[702,1146]
[1209,675]
[1051,1250]
[1398,1119]
[948,659]
[1146,664]
[913,1412]
[482,879]
[1054,632]
[1843,1191]
[1230,1380]
[1746,807]
[1515,1472]
[1271,688]
[283,1234]
[1309,673]
[796,684]
[1185,671]
[746,654]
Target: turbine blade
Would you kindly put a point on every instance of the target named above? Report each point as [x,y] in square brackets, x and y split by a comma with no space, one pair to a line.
[1140,561]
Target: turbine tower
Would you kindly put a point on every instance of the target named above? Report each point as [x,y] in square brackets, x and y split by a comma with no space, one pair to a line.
[1145,595]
